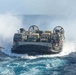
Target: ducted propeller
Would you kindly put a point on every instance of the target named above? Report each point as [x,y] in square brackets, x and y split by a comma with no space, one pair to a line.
[33,28]
[58,29]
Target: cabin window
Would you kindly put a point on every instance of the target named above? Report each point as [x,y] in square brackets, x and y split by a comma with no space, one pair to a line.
[17,37]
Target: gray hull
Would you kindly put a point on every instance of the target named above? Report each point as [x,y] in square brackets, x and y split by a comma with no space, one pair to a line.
[35,49]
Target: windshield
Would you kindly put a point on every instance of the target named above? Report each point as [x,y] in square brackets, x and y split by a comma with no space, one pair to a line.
[17,36]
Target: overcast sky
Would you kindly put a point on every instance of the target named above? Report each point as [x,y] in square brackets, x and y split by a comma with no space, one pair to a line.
[39,7]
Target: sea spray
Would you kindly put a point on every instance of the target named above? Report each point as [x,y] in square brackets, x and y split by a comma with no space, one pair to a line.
[68,47]
[8,26]
[12,23]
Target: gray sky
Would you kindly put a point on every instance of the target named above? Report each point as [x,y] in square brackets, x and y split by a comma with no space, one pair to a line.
[39,7]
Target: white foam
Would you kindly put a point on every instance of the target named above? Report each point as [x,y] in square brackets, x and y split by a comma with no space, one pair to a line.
[68,48]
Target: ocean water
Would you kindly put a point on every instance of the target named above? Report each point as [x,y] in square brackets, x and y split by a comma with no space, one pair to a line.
[63,63]
[38,65]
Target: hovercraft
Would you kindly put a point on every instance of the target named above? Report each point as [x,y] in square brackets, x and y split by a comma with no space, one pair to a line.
[36,42]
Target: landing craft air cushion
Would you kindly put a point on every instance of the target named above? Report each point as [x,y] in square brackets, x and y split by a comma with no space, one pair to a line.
[37,42]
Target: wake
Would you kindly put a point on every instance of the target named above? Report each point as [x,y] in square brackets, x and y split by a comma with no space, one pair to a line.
[68,48]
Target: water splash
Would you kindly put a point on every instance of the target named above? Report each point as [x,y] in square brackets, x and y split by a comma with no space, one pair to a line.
[11,23]
[8,26]
[68,48]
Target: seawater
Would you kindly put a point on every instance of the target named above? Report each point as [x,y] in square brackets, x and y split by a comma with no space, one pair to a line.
[63,63]
[38,66]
